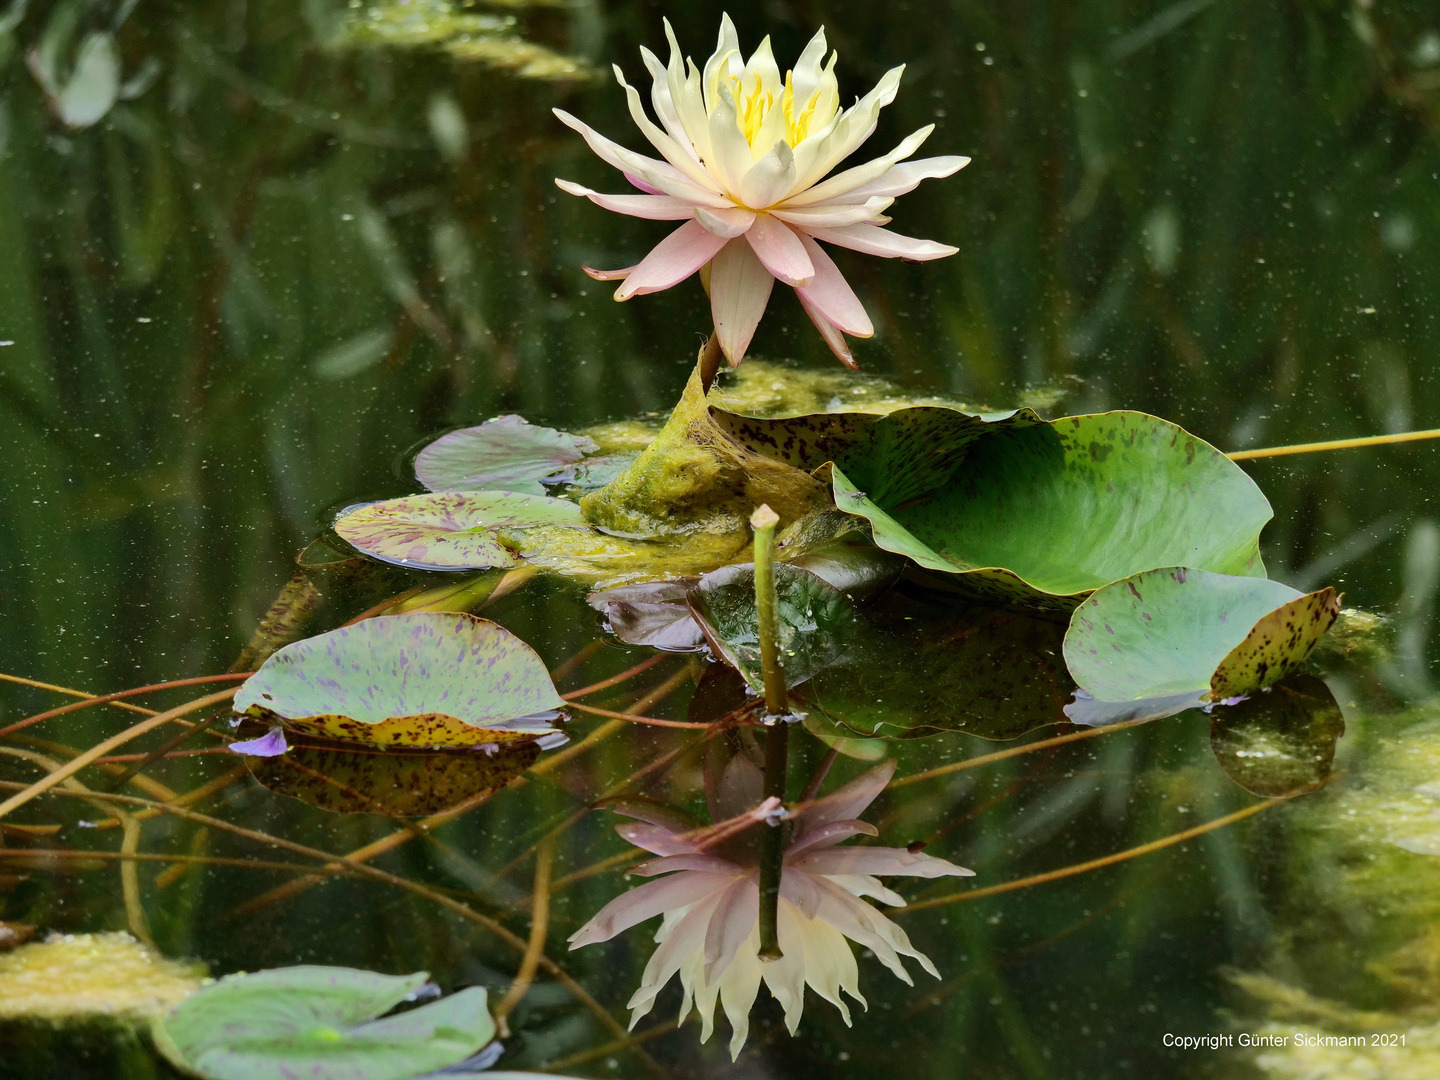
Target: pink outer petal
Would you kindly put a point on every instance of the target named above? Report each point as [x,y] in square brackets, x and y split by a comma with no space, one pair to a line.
[645,902]
[781,250]
[711,864]
[656,838]
[847,802]
[877,861]
[829,836]
[672,260]
[831,295]
[873,240]
[735,916]
[739,290]
[653,207]
[830,332]
[608,275]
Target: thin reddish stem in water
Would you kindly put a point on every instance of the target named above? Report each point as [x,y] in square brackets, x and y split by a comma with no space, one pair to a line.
[106,699]
[614,680]
[651,720]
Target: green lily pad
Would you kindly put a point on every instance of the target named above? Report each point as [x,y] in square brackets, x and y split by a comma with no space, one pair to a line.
[817,624]
[399,783]
[1179,630]
[452,530]
[1045,513]
[320,1023]
[425,679]
[1279,742]
[504,454]
[929,664]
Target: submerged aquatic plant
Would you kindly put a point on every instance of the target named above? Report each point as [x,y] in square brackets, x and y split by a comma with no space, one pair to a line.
[747,154]
[710,936]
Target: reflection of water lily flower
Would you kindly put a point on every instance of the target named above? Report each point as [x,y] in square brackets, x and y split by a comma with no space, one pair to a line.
[746,157]
[710,935]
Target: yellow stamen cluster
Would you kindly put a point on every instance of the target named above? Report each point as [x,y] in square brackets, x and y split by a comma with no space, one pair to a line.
[754,105]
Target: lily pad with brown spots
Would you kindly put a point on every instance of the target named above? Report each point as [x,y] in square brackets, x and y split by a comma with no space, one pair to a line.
[425,679]
[1180,630]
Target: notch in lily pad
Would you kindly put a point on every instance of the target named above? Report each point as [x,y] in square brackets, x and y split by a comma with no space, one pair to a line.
[1180,631]
[425,679]
[504,454]
[323,1023]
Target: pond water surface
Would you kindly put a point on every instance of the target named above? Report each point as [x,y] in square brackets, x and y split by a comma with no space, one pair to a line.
[309,237]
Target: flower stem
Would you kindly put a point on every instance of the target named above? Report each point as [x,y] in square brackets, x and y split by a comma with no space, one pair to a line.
[777,737]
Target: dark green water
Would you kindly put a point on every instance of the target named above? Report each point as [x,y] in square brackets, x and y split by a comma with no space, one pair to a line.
[237,299]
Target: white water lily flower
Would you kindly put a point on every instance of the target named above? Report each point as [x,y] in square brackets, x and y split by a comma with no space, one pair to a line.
[710,934]
[746,158]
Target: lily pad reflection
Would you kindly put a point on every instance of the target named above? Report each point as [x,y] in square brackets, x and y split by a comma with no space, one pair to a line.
[1281,742]
[927,665]
[401,783]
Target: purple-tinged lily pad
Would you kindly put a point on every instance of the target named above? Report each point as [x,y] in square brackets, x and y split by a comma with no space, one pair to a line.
[503,454]
[424,679]
[452,530]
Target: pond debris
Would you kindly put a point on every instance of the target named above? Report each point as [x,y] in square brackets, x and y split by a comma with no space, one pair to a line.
[454,28]
[72,977]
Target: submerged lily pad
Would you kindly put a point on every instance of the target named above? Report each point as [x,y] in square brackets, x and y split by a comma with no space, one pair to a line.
[1048,512]
[84,976]
[1179,630]
[504,454]
[655,613]
[399,783]
[929,664]
[817,624]
[1280,742]
[452,530]
[320,1023]
[424,679]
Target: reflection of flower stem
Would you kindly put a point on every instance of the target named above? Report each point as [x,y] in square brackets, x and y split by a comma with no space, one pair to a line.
[539,922]
[772,845]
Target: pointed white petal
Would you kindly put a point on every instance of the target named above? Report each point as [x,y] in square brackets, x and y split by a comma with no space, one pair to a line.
[739,290]
[657,176]
[798,888]
[847,802]
[711,864]
[652,207]
[726,223]
[786,976]
[879,861]
[682,946]
[873,240]
[770,178]
[683,160]
[662,101]
[839,185]
[828,835]
[738,987]
[724,61]
[730,154]
[833,215]
[906,177]
[818,154]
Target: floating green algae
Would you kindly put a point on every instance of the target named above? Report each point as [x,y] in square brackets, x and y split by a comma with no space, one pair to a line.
[88,976]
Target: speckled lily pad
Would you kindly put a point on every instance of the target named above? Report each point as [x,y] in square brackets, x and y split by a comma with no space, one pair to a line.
[452,530]
[1280,742]
[504,454]
[1179,630]
[420,680]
